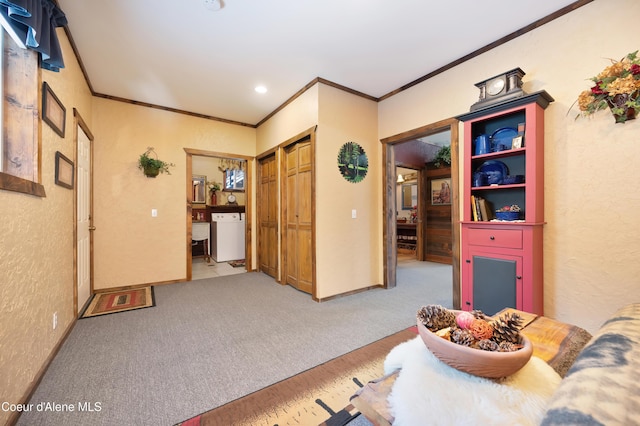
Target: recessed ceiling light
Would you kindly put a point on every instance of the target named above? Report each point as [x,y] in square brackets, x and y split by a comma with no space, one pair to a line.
[213,5]
[261,89]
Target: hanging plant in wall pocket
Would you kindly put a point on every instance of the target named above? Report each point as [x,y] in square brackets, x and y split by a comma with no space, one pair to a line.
[617,87]
[353,162]
[151,166]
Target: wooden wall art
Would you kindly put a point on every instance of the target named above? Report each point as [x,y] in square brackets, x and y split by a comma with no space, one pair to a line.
[64,171]
[53,112]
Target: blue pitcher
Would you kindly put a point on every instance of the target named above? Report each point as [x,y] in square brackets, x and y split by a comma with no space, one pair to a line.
[482,144]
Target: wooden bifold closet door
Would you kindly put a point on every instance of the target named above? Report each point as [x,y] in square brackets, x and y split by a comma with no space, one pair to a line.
[299,216]
[268,216]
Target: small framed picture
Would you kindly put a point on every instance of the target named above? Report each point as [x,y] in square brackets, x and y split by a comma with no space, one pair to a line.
[53,112]
[517,142]
[441,191]
[64,171]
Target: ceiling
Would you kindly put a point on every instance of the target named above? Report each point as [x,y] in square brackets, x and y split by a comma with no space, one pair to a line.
[179,54]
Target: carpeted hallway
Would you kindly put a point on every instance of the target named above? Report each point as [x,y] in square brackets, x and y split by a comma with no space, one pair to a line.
[211,341]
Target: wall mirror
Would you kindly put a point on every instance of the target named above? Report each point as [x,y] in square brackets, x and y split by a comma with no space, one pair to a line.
[199,192]
[409,196]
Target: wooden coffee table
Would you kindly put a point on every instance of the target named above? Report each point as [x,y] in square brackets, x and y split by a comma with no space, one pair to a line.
[555,342]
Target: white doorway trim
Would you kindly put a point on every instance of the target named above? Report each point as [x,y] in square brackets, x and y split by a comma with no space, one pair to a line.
[83,215]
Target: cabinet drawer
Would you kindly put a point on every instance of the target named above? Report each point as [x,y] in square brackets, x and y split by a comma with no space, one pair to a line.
[507,238]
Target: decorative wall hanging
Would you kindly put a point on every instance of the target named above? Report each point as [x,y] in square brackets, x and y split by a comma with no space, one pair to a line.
[151,167]
[53,112]
[441,192]
[64,171]
[617,87]
[352,162]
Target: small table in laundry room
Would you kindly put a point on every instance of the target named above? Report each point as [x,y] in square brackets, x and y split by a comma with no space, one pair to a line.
[200,233]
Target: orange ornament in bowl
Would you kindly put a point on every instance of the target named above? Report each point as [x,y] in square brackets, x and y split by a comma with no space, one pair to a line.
[481,329]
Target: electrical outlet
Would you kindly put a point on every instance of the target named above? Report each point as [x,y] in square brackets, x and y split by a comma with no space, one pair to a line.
[353,214]
[55,320]
[154,212]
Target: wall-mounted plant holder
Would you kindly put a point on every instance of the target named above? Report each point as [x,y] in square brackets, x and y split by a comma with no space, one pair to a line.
[151,166]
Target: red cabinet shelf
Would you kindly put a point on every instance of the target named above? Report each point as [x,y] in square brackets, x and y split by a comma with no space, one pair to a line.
[502,260]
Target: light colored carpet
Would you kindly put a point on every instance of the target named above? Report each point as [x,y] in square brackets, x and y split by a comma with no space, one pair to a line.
[212,341]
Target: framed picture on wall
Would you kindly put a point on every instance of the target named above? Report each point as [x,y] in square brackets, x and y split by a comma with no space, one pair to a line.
[64,171]
[53,112]
[441,191]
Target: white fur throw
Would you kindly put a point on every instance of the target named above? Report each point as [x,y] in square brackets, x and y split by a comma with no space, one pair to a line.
[429,392]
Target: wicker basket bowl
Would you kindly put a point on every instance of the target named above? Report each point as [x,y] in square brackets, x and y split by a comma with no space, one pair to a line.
[476,361]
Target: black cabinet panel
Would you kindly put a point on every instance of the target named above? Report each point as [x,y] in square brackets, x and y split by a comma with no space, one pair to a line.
[494,284]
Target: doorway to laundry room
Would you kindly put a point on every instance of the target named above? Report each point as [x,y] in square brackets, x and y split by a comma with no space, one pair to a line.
[218,212]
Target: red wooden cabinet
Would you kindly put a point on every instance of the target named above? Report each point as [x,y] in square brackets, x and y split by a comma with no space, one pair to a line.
[502,260]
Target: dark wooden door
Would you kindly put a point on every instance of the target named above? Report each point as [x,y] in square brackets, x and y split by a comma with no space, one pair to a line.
[299,216]
[268,216]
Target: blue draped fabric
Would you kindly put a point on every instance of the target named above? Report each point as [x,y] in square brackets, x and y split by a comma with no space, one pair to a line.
[35,22]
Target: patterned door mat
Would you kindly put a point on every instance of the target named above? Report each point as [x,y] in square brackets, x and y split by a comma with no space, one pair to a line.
[119,301]
[237,263]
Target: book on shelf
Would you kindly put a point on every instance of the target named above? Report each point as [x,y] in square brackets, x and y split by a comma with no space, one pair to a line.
[482,210]
[474,211]
[486,210]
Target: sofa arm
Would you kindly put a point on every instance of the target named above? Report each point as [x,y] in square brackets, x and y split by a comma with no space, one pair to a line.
[603,385]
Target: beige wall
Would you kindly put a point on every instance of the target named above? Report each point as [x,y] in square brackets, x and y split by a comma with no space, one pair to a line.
[340,117]
[592,236]
[130,246]
[208,166]
[36,250]
[297,117]
[591,239]
[348,251]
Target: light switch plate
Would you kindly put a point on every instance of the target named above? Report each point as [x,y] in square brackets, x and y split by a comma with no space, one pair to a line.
[154,212]
[353,214]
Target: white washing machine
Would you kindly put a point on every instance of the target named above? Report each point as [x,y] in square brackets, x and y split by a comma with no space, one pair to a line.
[227,236]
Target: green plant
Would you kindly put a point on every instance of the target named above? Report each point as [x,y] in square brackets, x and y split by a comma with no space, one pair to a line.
[443,156]
[213,186]
[152,166]
[616,87]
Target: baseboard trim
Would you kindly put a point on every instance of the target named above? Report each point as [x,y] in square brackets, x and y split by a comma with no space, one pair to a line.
[137,286]
[13,418]
[349,293]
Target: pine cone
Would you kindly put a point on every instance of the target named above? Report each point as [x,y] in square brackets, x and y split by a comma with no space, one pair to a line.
[507,347]
[507,328]
[479,314]
[488,345]
[462,337]
[436,317]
